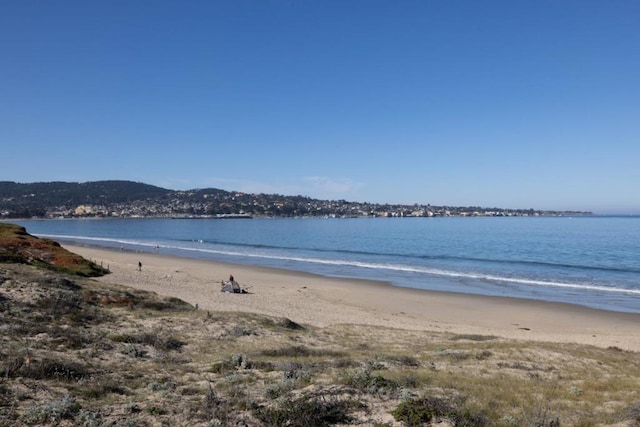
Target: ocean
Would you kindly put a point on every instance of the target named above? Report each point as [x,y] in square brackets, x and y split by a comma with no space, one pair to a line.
[591,261]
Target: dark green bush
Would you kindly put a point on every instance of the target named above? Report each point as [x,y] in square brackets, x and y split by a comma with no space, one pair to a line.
[99,390]
[364,380]
[306,412]
[153,339]
[50,369]
[420,411]
[300,351]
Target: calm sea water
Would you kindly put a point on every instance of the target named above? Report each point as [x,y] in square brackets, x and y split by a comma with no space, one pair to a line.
[591,261]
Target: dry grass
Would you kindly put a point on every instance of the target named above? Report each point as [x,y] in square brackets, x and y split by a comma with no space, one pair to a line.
[76,352]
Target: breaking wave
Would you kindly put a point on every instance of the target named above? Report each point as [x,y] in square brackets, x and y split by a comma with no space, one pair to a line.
[381,266]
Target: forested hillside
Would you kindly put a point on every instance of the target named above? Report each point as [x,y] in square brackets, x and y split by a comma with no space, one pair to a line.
[35,199]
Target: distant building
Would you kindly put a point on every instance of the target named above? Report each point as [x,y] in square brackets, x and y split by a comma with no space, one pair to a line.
[83,210]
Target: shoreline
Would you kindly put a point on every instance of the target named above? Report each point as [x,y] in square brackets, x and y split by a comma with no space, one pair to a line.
[327,302]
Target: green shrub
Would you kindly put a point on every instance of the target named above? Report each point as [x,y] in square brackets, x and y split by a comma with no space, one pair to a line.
[275,390]
[405,360]
[306,412]
[240,331]
[51,369]
[419,411]
[101,389]
[300,351]
[153,339]
[52,412]
[165,304]
[364,380]
[134,351]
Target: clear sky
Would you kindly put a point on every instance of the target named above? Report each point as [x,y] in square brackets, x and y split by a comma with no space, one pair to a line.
[514,104]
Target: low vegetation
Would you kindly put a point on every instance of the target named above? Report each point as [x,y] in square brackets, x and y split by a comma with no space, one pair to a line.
[77,352]
[18,246]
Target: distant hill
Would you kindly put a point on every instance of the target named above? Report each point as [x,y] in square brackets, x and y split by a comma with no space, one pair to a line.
[35,199]
[57,193]
[135,199]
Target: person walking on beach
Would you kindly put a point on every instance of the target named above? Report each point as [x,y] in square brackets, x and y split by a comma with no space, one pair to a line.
[139,266]
[231,278]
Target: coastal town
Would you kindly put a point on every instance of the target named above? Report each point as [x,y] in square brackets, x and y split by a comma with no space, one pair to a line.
[238,207]
[122,199]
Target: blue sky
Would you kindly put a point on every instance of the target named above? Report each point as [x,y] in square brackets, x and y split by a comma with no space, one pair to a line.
[515,104]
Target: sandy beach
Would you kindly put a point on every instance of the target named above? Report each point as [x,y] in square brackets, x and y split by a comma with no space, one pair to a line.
[321,301]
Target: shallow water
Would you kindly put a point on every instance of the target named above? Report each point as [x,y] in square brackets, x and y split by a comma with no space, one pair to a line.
[591,261]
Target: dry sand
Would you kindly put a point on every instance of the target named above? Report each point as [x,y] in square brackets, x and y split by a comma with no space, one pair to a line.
[321,301]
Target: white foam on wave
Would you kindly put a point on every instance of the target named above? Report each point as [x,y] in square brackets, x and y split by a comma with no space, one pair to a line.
[367,265]
[97,239]
[421,270]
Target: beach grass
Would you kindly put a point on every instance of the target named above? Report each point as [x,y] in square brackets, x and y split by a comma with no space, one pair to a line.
[81,352]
